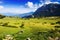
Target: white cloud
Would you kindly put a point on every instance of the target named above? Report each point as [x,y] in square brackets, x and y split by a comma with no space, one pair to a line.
[1,7]
[16,10]
[47,2]
[55,2]
[43,2]
[30,4]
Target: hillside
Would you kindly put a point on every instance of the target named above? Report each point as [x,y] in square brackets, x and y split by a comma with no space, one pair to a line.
[48,10]
[22,29]
[2,16]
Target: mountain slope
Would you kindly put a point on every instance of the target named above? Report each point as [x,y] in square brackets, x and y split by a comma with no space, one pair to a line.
[48,10]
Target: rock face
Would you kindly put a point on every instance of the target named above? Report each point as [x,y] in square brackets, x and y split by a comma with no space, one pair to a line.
[48,10]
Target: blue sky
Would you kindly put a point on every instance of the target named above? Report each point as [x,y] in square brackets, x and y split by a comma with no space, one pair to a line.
[22,6]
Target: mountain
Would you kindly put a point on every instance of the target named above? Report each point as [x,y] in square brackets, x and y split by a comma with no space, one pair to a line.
[24,15]
[48,10]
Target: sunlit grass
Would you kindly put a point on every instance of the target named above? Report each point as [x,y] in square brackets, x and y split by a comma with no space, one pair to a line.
[30,25]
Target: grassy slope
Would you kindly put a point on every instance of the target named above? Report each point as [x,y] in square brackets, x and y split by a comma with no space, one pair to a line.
[30,25]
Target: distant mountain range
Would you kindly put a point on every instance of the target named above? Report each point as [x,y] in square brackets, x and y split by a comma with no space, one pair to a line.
[22,15]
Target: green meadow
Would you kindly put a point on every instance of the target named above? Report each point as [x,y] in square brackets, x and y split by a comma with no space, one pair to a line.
[33,28]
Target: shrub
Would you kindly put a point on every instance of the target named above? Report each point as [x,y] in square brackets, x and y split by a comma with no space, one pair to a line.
[52,23]
[4,24]
[11,26]
[20,32]
[44,23]
[57,26]
[58,22]
[1,16]
[22,25]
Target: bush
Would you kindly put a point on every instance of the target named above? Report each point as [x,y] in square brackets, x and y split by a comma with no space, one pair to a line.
[52,23]
[22,25]
[1,16]
[58,22]
[44,23]
[57,26]
[4,24]
[11,26]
